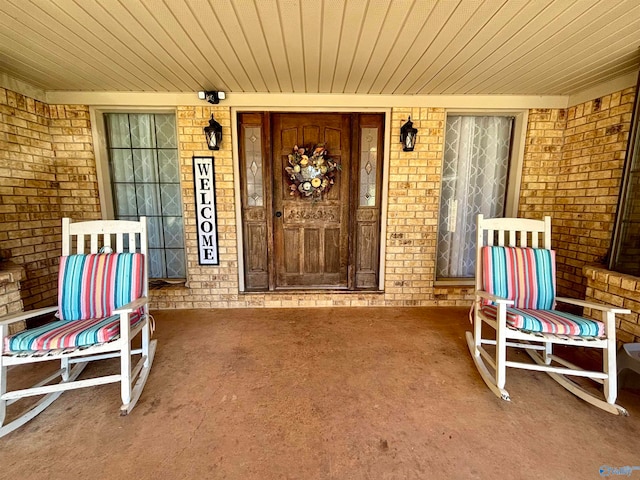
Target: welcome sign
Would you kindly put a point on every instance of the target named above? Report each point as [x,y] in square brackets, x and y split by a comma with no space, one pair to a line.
[205,192]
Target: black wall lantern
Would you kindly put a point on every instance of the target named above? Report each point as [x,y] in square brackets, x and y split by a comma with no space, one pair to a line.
[214,134]
[408,136]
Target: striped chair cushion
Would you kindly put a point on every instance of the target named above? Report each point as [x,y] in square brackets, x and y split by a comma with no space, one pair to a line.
[548,321]
[525,275]
[528,277]
[66,334]
[94,285]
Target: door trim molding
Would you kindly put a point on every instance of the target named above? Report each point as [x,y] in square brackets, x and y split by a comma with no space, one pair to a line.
[237,187]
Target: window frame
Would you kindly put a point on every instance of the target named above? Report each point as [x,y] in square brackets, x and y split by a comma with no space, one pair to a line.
[103,172]
[633,147]
[514,180]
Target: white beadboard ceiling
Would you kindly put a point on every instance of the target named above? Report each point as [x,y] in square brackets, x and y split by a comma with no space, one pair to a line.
[403,47]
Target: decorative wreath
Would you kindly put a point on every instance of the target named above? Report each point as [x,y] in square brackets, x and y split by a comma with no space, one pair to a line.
[310,176]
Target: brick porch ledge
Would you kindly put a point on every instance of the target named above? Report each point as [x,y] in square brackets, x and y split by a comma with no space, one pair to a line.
[617,289]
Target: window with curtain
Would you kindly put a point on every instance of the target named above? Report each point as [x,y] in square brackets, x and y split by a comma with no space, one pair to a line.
[474,180]
[625,256]
[145,180]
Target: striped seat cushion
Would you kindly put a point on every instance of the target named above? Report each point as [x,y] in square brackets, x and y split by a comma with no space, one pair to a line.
[67,334]
[548,321]
[94,285]
[525,275]
[528,277]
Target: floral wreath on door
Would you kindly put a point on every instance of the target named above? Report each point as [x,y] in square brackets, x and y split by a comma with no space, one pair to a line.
[310,175]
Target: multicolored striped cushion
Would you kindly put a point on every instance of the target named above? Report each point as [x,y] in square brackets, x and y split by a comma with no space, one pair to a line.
[548,321]
[525,275]
[66,334]
[528,277]
[94,285]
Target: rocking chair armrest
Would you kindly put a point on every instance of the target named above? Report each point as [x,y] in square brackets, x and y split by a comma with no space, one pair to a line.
[594,306]
[19,316]
[493,298]
[132,306]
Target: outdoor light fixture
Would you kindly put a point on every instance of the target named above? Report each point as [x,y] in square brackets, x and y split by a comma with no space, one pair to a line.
[212,97]
[408,136]
[214,134]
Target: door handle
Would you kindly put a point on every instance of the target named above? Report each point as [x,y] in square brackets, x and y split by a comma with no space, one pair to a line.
[278,214]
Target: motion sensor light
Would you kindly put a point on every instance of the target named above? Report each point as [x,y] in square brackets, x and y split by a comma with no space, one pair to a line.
[212,97]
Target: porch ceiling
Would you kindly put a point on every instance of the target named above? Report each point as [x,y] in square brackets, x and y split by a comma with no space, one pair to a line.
[539,47]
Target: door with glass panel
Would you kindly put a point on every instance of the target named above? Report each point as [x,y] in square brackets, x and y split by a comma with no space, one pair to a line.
[297,241]
[475,175]
[145,181]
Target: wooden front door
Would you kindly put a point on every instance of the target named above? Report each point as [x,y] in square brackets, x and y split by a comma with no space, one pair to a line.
[311,236]
[297,242]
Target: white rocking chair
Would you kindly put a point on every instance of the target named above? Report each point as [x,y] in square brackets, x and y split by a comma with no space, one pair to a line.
[102,307]
[515,295]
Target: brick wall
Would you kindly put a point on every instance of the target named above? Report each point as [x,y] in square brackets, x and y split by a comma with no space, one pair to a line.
[618,290]
[414,184]
[28,193]
[571,171]
[542,155]
[72,141]
[589,184]
[208,286]
[412,220]
[47,170]
[10,299]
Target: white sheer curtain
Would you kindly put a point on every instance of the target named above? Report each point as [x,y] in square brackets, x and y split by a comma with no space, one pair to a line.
[474,180]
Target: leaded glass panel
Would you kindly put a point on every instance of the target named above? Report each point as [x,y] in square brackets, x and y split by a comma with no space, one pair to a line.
[253,167]
[368,164]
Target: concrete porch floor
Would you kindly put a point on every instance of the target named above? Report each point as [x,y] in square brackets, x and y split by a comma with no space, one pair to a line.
[327,393]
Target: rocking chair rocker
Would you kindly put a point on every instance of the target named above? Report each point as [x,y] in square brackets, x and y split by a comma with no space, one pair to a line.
[102,307]
[515,295]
